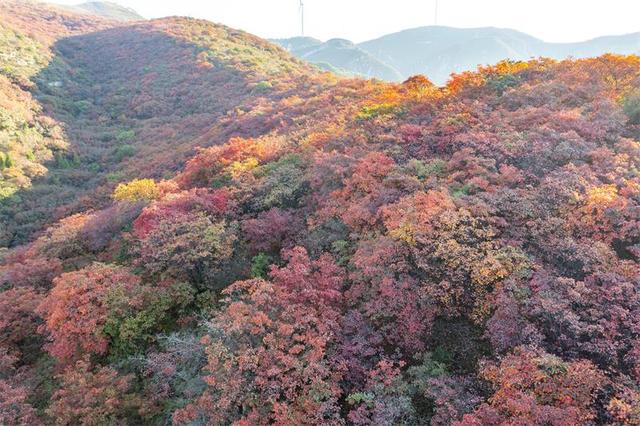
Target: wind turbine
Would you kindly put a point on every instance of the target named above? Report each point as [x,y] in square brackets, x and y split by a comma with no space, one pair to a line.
[301,17]
[435,18]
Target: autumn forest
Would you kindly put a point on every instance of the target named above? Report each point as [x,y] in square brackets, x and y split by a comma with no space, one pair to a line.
[199,229]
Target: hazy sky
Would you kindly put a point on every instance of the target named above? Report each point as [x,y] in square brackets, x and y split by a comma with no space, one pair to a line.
[359,20]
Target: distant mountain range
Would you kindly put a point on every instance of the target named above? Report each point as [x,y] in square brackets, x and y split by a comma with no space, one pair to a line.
[340,56]
[437,51]
[106,9]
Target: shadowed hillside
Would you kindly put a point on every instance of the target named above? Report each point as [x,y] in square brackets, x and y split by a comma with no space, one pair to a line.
[136,100]
[29,138]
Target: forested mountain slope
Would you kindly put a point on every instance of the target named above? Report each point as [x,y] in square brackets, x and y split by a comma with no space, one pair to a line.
[338,252]
[30,139]
[128,100]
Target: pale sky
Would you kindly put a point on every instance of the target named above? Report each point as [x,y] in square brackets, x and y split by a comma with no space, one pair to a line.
[360,20]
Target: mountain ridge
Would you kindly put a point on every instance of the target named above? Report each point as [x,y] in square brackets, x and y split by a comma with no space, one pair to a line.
[439,51]
[106,9]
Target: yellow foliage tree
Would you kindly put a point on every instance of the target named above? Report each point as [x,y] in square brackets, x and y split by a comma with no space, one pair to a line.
[137,190]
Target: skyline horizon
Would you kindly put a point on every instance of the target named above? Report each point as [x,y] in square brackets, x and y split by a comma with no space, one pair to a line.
[382,18]
[440,26]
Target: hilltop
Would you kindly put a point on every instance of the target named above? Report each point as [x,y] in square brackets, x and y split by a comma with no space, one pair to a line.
[108,10]
[218,233]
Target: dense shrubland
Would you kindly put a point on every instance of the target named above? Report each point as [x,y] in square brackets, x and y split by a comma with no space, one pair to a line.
[353,253]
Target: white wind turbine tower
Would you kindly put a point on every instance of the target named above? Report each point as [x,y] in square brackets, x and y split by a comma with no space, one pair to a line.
[302,17]
[435,18]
